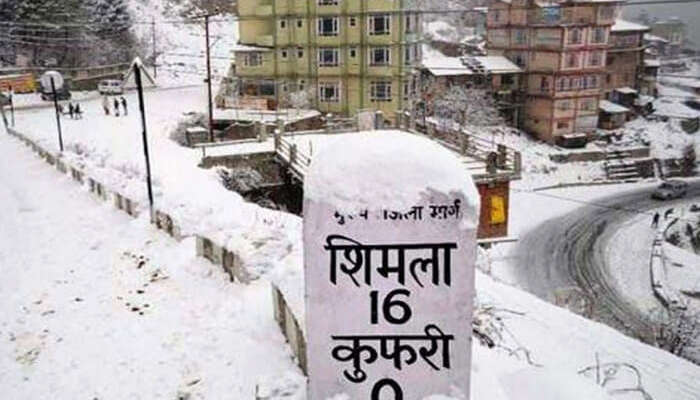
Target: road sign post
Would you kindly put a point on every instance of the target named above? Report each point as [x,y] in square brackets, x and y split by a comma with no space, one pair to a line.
[389,269]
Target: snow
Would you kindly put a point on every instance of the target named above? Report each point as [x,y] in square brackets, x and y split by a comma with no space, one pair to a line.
[654,38]
[73,270]
[682,269]
[441,65]
[610,107]
[621,25]
[423,164]
[497,64]
[266,116]
[446,66]
[110,150]
[441,31]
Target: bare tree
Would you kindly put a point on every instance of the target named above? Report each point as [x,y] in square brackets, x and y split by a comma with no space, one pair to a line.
[467,107]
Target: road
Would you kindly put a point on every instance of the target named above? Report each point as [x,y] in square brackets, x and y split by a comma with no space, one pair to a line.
[569,251]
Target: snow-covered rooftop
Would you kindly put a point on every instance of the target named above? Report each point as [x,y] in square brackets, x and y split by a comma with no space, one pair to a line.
[654,38]
[626,26]
[612,108]
[238,47]
[625,90]
[652,63]
[265,116]
[440,65]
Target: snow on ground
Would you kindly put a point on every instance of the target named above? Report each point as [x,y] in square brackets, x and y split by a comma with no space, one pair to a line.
[97,305]
[110,149]
[628,253]
[528,209]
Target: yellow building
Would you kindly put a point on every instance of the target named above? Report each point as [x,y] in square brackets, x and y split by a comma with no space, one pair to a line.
[348,55]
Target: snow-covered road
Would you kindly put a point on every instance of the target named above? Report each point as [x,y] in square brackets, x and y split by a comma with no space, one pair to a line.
[96,305]
[573,251]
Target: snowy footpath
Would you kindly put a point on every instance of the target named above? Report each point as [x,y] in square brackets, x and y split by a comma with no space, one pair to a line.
[96,305]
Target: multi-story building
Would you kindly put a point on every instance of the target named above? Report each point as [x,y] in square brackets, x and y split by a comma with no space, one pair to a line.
[673,31]
[348,55]
[625,60]
[562,47]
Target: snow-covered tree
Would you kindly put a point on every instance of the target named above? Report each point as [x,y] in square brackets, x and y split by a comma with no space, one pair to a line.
[466,107]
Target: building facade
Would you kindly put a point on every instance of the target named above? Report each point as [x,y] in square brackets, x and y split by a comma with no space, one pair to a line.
[346,55]
[562,47]
[625,60]
[673,31]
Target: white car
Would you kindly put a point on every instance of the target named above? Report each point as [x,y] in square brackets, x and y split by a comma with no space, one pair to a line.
[110,86]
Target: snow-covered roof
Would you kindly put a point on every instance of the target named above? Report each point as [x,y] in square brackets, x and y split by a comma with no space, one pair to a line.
[625,90]
[654,38]
[652,63]
[238,47]
[446,66]
[626,26]
[612,108]
[439,65]
[442,31]
[498,64]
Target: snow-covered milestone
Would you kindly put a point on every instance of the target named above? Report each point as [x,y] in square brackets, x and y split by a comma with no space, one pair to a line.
[389,254]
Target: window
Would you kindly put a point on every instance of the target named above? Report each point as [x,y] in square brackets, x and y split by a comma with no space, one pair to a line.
[607,12]
[380,91]
[328,26]
[563,105]
[283,23]
[283,53]
[267,87]
[496,15]
[352,21]
[300,23]
[519,60]
[571,60]
[587,104]
[353,52]
[596,58]
[253,59]
[598,35]
[380,24]
[302,84]
[409,54]
[300,52]
[328,57]
[544,84]
[562,125]
[379,56]
[520,36]
[574,36]
[592,82]
[329,92]
[573,83]
[327,2]
[562,84]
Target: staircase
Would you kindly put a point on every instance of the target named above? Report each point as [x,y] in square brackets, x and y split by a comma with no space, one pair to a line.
[616,168]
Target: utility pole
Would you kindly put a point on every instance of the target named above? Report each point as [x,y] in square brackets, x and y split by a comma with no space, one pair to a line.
[139,86]
[58,116]
[155,53]
[211,104]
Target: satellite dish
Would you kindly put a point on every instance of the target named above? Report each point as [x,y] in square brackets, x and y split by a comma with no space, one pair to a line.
[57,79]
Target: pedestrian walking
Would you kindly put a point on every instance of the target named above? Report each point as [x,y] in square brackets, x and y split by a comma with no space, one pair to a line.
[126,110]
[70,110]
[105,105]
[655,220]
[78,112]
[116,107]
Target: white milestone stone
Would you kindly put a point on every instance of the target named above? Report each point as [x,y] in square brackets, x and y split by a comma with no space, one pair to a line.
[390,224]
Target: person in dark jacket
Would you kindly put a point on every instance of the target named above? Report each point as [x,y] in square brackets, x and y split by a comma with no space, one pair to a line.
[78,112]
[126,110]
[655,220]
[70,110]
[116,107]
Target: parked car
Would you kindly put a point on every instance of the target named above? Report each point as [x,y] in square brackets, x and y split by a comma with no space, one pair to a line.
[110,86]
[672,189]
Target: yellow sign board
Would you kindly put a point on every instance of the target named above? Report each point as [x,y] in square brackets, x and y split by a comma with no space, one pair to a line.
[498,210]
